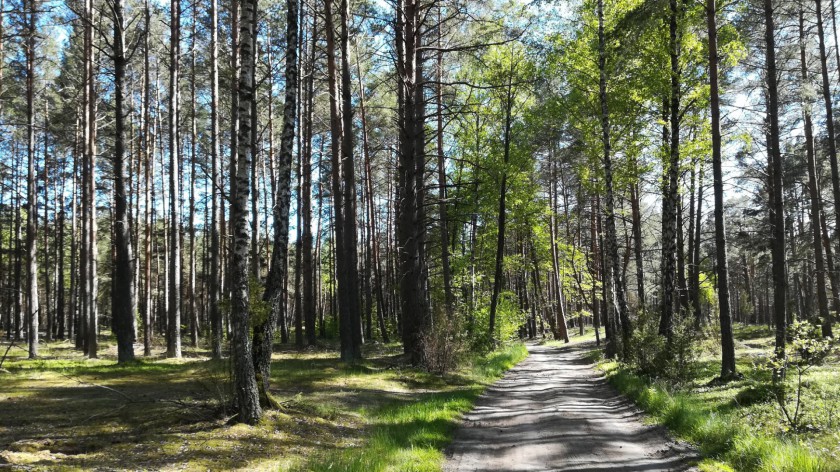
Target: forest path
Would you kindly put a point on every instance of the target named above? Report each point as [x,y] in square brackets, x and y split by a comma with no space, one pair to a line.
[553,411]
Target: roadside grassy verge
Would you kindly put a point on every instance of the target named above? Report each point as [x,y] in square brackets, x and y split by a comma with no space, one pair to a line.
[737,426]
[411,436]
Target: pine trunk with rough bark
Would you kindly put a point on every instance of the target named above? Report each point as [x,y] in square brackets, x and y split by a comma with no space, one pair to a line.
[216,200]
[777,219]
[670,185]
[123,299]
[826,320]
[33,312]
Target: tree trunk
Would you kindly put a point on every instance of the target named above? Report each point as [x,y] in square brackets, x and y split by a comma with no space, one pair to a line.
[123,302]
[728,366]
[306,195]
[612,244]
[32,312]
[352,321]
[671,191]
[832,144]
[264,329]
[777,219]
[191,285]
[216,200]
[502,215]
[244,376]
[410,215]
[173,332]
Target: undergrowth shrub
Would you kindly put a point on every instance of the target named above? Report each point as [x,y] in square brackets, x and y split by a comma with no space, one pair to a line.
[807,349]
[652,355]
[509,317]
[443,345]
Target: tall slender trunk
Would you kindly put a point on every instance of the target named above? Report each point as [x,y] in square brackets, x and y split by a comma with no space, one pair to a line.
[671,191]
[216,200]
[91,284]
[777,218]
[559,314]
[173,338]
[694,249]
[123,300]
[502,215]
[611,239]
[278,272]
[351,305]
[244,375]
[148,177]
[413,317]
[813,183]
[33,312]
[832,143]
[441,163]
[191,286]
[728,366]
[306,194]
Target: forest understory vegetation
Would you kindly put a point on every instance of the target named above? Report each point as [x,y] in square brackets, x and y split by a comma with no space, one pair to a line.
[302,215]
[164,414]
[739,425]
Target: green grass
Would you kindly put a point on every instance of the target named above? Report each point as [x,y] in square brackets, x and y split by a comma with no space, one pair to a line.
[737,426]
[411,436]
[65,412]
[574,337]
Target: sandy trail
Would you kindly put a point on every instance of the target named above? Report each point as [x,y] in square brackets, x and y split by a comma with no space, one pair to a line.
[554,412]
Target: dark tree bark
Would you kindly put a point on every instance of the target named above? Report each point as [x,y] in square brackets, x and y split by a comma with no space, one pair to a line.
[611,239]
[414,315]
[123,300]
[728,368]
[670,186]
[306,194]
[832,143]
[777,219]
[216,199]
[813,183]
[502,215]
[149,162]
[191,282]
[90,288]
[352,322]
[443,217]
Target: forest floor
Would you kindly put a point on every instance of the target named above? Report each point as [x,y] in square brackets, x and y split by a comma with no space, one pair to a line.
[739,425]
[65,412]
[553,411]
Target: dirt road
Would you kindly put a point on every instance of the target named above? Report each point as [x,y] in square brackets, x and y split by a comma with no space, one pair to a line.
[554,412]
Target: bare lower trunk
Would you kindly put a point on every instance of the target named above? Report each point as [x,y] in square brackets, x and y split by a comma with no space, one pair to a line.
[274,293]
[244,377]
[123,300]
[728,366]
[777,220]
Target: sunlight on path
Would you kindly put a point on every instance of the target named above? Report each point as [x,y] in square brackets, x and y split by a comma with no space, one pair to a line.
[553,412]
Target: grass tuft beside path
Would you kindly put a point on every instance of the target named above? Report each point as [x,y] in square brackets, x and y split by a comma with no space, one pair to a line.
[738,426]
[411,436]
